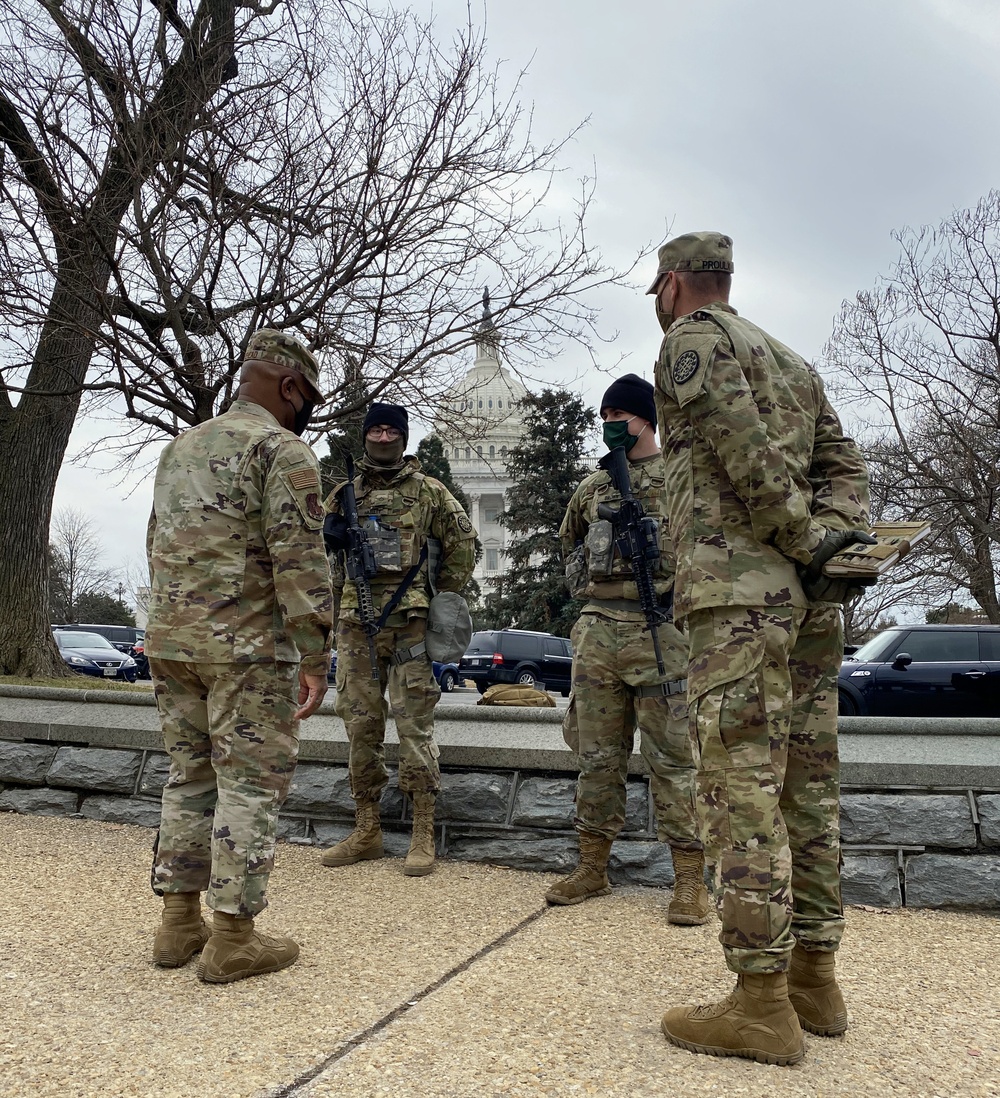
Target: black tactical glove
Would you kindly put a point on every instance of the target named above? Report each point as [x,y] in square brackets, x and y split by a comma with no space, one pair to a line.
[822,588]
[335,535]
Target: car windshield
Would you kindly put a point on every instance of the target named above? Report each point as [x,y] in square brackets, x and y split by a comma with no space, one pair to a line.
[870,650]
[71,639]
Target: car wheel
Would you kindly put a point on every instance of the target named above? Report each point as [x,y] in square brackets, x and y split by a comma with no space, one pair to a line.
[482,687]
[447,681]
[565,693]
[845,705]
[526,678]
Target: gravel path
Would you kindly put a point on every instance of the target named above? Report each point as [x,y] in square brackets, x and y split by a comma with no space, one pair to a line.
[460,984]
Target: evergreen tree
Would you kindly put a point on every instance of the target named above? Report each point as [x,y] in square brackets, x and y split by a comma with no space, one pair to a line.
[546,469]
[97,608]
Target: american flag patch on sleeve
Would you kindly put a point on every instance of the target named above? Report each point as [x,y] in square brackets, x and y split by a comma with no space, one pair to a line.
[303,478]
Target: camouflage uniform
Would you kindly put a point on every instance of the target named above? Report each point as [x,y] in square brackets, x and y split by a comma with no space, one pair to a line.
[410,508]
[240,594]
[615,677]
[758,469]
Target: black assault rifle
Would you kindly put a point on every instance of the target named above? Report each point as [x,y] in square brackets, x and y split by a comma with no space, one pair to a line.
[361,563]
[637,540]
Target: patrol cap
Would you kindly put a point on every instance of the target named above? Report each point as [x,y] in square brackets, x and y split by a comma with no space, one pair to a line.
[270,345]
[694,252]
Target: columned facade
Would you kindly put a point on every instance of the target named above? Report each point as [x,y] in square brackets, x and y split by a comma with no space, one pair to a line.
[480,423]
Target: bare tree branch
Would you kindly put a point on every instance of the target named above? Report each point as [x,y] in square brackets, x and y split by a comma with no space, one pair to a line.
[920,357]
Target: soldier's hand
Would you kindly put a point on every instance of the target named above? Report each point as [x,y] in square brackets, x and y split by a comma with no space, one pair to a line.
[828,589]
[832,544]
[312,689]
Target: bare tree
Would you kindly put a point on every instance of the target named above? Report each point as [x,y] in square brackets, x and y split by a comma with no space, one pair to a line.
[176,175]
[81,557]
[919,358]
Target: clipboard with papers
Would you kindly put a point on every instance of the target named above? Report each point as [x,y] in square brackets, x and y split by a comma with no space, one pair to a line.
[895,540]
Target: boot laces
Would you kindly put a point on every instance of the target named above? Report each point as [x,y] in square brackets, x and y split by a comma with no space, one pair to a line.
[686,890]
[713,1010]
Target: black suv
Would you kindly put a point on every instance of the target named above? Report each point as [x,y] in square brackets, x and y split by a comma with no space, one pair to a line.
[126,638]
[516,655]
[924,671]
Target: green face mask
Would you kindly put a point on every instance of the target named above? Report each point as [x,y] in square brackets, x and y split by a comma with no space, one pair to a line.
[616,433]
[665,319]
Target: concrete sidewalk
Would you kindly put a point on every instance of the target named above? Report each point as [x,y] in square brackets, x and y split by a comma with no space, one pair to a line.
[462,984]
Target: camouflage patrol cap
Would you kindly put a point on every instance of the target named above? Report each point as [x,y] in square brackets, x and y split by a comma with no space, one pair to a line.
[270,345]
[694,252]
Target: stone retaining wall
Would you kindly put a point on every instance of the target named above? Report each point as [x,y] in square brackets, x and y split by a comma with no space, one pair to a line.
[902,847]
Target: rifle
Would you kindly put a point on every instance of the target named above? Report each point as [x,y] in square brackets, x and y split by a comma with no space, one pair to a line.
[361,563]
[637,541]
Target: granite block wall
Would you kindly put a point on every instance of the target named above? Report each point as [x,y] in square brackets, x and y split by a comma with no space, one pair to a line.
[902,847]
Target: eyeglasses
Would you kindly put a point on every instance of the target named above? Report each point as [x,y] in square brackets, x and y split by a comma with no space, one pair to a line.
[391,433]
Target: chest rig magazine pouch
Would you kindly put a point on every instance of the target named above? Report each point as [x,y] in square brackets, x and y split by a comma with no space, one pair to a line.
[449,623]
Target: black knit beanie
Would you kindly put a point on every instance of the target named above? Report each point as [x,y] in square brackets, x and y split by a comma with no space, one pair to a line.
[631,394]
[389,415]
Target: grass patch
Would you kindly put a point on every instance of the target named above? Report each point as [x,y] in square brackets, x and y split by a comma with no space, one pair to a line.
[74,682]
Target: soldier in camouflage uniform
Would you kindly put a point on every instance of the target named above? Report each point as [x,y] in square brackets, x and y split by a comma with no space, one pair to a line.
[413,523]
[240,615]
[616,683]
[762,488]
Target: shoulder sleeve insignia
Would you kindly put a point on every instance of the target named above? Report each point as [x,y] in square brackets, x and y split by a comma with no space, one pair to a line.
[685,367]
[301,479]
[464,523]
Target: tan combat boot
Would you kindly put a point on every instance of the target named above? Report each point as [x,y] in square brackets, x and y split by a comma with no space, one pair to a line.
[813,992]
[420,857]
[755,1021]
[182,931]
[236,951]
[590,878]
[690,905]
[364,842]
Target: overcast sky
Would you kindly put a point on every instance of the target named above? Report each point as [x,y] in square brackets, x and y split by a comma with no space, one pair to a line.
[809,132]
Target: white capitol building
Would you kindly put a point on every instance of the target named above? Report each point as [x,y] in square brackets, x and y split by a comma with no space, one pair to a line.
[478,424]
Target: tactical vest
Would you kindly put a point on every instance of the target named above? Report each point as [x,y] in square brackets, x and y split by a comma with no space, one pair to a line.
[396,524]
[605,566]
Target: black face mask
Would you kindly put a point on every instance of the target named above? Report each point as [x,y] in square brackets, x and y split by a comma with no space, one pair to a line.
[302,416]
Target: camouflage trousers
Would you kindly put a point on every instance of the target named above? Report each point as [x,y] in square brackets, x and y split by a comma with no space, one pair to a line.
[610,660]
[233,744]
[361,704]
[762,687]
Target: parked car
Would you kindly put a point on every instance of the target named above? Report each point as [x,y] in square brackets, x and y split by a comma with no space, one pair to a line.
[126,638]
[924,671]
[447,675]
[92,654]
[518,655]
[331,675]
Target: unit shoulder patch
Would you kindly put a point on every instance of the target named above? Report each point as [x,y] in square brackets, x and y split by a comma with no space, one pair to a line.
[685,366]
